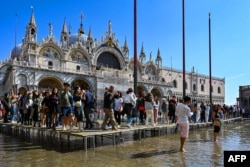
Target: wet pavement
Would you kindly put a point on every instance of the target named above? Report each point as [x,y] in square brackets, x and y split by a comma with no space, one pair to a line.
[149,152]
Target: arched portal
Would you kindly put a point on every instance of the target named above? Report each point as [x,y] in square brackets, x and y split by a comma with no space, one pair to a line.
[83,84]
[140,89]
[49,83]
[156,92]
[22,90]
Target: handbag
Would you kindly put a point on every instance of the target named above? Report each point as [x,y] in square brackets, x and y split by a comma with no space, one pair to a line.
[78,103]
[141,108]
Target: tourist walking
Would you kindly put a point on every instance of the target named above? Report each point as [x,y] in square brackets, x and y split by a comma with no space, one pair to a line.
[183,113]
[118,107]
[45,110]
[156,109]
[171,109]
[108,109]
[78,97]
[149,108]
[54,107]
[66,104]
[37,101]
[89,104]
[28,109]
[164,110]
[207,112]
[198,113]
[22,106]
[7,105]
[203,112]
[193,107]
[141,107]
[216,120]
[129,106]
[14,108]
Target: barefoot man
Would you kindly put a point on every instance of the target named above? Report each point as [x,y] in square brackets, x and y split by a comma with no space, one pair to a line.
[182,115]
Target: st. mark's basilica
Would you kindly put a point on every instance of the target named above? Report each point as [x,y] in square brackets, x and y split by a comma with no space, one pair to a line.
[80,59]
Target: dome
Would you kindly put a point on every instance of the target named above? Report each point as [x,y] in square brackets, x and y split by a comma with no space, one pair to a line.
[73,38]
[16,51]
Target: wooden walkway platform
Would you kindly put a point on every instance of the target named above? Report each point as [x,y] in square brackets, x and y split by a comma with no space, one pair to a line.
[92,138]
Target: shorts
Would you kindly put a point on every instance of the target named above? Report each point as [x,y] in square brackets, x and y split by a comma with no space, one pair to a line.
[216,129]
[184,129]
[66,111]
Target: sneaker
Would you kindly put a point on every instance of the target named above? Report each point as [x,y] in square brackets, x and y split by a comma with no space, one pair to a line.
[64,128]
[118,126]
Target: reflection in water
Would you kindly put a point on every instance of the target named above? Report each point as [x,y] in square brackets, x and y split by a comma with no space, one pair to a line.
[217,154]
[153,153]
[156,151]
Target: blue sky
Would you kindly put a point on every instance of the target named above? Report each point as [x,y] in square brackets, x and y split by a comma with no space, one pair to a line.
[159,25]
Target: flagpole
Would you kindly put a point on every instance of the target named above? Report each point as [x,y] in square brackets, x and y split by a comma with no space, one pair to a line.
[210,61]
[183,48]
[135,47]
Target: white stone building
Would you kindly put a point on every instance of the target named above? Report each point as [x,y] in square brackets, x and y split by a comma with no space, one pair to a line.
[79,59]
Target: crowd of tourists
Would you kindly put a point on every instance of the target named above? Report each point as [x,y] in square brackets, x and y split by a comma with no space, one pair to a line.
[49,109]
[70,109]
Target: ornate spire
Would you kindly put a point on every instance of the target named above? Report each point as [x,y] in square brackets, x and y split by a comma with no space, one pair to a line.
[158,60]
[90,34]
[125,46]
[50,30]
[142,50]
[142,55]
[150,56]
[109,32]
[125,49]
[125,43]
[81,30]
[90,40]
[64,29]
[158,55]
[64,34]
[31,29]
[32,18]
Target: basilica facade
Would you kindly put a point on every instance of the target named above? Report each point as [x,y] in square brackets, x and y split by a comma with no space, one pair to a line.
[81,60]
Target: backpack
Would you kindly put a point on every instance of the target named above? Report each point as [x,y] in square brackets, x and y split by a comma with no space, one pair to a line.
[171,105]
[91,102]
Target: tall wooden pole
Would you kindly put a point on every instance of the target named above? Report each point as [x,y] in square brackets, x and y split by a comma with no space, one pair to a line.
[135,47]
[183,49]
[210,61]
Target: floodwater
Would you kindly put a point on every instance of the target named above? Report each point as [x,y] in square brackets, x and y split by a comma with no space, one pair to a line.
[149,152]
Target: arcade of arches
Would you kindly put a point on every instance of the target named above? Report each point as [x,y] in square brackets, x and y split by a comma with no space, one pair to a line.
[50,83]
